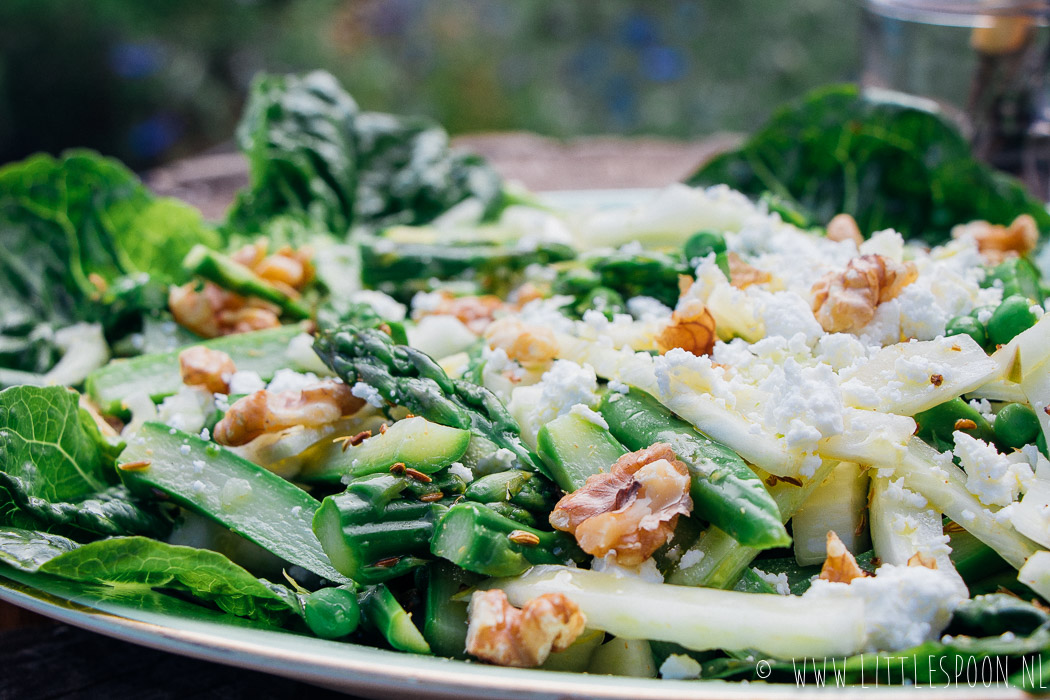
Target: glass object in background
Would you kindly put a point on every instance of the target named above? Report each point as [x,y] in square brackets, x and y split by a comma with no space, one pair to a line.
[983,62]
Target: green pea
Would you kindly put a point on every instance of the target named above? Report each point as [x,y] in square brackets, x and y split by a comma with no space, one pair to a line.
[937,425]
[967,325]
[703,243]
[1012,317]
[576,281]
[332,613]
[607,301]
[1016,425]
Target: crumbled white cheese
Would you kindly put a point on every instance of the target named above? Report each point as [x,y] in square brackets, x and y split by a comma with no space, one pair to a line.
[779,582]
[647,309]
[896,491]
[589,415]
[618,386]
[368,393]
[427,302]
[984,407]
[680,667]
[840,351]
[903,605]
[290,380]
[186,410]
[887,243]
[991,476]
[646,571]
[785,314]
[463,472]
[691,558]
[246,382]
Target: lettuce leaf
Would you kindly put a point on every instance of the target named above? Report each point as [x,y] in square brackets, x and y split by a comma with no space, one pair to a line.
[317,161]
[69,226]
[52,447]
[140,562]
[888,164]
[65,220]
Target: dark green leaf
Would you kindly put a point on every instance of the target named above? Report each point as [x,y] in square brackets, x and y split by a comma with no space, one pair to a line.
[890,165]
[51,445]
[28,550]
[207,575]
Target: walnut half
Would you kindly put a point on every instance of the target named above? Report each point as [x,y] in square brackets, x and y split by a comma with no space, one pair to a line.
[846,301]
[204,367]
[631,510]
[840,565]
[691,329]
[997,243]
[269,412]
[504,635]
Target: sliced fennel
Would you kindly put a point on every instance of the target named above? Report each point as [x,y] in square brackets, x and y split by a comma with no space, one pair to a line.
[1031,517]
[699,618]
[839,504]
[902,525]
[944,485]
[1036,573]
[907,378]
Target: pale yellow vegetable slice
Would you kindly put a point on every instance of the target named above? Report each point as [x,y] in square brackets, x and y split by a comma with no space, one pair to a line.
[944,485]
[699,618]
[839,504]
[892,380]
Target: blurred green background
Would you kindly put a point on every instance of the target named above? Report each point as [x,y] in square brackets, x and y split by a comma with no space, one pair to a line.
[151,81]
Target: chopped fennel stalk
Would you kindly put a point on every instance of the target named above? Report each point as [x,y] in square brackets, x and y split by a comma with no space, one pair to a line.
[699,618]
[838,504]
[944,485]
[900,529]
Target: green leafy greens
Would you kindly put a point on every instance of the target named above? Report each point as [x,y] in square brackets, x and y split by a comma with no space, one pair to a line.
[143,562]
[317,162]
[888,164]
[71,227]
[56,470]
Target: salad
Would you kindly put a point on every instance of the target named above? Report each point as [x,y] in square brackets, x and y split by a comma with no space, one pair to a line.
[394,400]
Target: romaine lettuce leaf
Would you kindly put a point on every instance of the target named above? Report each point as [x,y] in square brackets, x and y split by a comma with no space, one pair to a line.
[52,447]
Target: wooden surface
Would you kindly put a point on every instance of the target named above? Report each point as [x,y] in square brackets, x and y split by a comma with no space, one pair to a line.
[42,659]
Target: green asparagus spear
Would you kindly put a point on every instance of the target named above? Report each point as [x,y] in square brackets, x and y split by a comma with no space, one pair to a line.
[516,513]
[408,266]
[385,615]
[478,539]
[724,489]
[527,490]
[370,534]
[211,481]
[717,560]
[230,274]
[445,628]
[574,448]
[414,442]
[407,377]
